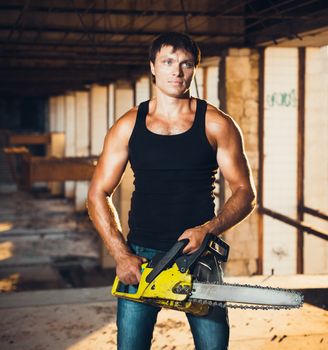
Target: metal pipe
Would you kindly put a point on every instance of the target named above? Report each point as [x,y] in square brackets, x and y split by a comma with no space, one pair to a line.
[294,223]
[260,158]
[300,157]
[315,212]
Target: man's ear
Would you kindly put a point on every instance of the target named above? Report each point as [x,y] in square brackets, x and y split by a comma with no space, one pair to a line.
[152,68]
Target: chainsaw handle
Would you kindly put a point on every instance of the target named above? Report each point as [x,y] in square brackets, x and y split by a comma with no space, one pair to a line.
[168,259]
[211,243]
[214,246]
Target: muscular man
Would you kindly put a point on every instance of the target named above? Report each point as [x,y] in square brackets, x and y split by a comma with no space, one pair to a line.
[175,144]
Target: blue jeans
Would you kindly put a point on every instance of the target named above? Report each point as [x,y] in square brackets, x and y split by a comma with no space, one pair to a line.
[136,321]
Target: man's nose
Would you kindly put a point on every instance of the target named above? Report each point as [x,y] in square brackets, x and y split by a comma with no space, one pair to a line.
[178,70]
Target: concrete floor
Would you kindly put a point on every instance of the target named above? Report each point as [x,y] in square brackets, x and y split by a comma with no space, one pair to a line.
[44,244]
[84,319]
[41,238]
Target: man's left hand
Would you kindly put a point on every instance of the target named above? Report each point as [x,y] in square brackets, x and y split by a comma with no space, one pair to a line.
[196,236]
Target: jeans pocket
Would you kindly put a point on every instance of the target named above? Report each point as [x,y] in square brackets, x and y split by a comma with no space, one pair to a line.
[147,253]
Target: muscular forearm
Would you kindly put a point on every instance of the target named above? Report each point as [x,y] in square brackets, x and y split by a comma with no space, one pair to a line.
[237,208]
[105,219]
[239,205]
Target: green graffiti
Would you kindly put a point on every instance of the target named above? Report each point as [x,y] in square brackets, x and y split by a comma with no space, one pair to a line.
[282,99]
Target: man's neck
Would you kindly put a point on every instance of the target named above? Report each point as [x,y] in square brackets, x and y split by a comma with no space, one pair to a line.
[171,107]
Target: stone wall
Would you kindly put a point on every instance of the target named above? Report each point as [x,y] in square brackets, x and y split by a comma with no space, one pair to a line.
[242,96]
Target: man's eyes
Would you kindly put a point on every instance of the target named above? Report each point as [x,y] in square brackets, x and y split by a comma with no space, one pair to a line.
[184,64]
[187,65]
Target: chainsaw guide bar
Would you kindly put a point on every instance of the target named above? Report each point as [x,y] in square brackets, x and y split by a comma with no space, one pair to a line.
[293,298]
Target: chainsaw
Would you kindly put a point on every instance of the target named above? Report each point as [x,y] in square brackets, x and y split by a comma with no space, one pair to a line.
[193,283]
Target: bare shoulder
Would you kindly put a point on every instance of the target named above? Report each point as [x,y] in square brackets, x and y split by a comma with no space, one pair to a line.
[217,119]
[123,127]
[220,127]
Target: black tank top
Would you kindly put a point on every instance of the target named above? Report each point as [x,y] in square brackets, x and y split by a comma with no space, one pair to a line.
[174,181]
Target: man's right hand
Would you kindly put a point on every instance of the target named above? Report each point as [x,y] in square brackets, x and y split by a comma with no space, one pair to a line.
[128,268]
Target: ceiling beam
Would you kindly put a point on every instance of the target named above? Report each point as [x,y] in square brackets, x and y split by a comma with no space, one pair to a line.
[290,29]
[87,73]
[117,31]
[145,13]
[86,44]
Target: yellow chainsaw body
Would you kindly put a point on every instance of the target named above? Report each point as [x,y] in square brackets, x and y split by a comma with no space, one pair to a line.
[162,290]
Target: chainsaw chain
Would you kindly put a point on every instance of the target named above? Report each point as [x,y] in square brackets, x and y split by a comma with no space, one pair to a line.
[248,306]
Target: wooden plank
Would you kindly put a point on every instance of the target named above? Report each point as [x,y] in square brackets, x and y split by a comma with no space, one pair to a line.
[61,169]
[29,139]
[16,150]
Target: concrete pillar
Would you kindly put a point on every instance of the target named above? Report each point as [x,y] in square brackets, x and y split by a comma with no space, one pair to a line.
[111,105]
[211,82]
[57,144]
[200,81]
[241,83]
[98,117]
[280,161]
[60,118]
[52,113]
[142,92]
[82,143]
[316,160]
[70,138]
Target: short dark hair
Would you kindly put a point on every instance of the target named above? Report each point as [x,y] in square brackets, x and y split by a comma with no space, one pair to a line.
[177,41]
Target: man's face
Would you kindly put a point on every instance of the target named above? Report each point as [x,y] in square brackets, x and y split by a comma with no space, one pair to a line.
[173,71]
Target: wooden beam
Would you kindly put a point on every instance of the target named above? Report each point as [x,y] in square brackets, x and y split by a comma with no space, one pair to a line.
[29,139]
[300,157]
[61,169]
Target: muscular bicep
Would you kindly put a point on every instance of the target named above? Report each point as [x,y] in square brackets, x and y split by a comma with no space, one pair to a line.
[231,157]
[112,162]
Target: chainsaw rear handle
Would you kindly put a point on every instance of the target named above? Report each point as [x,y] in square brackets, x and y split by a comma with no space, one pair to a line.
[211,243]
[219,248]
